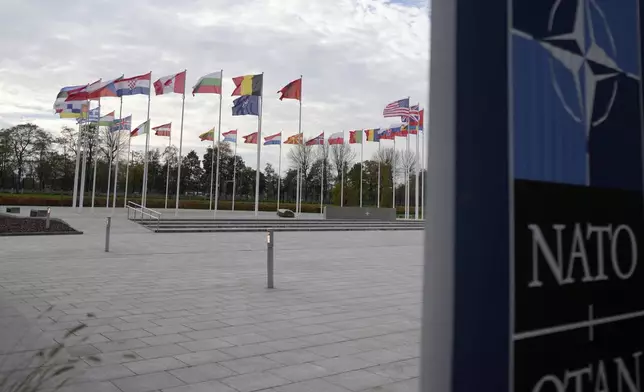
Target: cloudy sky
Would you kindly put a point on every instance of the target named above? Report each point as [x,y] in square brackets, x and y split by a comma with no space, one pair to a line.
[355,57]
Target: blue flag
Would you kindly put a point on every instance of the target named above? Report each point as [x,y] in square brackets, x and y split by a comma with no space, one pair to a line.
[245,105]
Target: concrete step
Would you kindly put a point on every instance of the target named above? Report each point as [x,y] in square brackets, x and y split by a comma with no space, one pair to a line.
[284,229]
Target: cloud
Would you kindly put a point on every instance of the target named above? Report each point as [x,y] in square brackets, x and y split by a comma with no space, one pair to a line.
[355,57]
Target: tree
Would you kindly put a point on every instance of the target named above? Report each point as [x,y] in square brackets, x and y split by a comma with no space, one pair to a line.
[21,141]
[341,156]
[191,173]
[302,156]
[271,182]
[389,160]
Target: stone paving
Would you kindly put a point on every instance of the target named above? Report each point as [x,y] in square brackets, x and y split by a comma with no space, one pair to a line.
[191,312]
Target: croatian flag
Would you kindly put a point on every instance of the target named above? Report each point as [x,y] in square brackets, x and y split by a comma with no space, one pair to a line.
[230,136]
[273,139]
[134,85]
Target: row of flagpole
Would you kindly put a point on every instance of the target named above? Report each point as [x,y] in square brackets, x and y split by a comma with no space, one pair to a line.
[168,84]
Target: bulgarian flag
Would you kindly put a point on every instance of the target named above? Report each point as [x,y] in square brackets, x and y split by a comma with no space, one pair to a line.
[208,84]
[141,129]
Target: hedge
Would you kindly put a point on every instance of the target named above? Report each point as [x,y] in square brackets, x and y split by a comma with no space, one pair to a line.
[99,201]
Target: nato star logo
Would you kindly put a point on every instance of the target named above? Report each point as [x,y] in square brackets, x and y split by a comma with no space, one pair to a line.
[588,63]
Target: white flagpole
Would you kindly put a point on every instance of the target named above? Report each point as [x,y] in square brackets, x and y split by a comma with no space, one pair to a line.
[81,202]
[167,176]
[407,161]
[279,174]
[322,180]
[361,162]
[109,178]
[144,192]
[342,174]
[422,177]
[298,192]
[212,169]
[98,127]
[416,186]
[118,157]
[379,159]
[259,146]
[221,94]
[234,172]
[127,169]
[77,167]
[183,106]
[393,176]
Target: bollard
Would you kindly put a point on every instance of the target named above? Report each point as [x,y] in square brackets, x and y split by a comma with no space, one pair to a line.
[108,224]
[269,255]
[47,220]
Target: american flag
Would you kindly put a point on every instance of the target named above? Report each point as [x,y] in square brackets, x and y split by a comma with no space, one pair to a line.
[397,108]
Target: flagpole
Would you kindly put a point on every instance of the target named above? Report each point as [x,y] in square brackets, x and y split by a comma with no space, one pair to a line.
[77,167]
[342,175]
[144,192]
[393,176]
[322,179]
[361,162]
[279,174]
[212,169]
[221,95]
[84,170]
[379,159]
[183,106]
[298,192]
[127,169]
[118,156]
[416,187]
[234,172]
[167,176]
[98,128]
[259,145]
[407,174]
[422,179]
[109,178]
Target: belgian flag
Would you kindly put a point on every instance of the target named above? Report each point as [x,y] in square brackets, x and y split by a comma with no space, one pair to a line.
[248,85]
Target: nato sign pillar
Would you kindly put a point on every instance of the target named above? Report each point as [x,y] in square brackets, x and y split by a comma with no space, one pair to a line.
[533,280]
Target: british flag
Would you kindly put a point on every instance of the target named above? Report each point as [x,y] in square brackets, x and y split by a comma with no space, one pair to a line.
[124,124]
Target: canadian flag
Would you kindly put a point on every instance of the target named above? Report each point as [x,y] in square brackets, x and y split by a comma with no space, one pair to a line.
[171,84]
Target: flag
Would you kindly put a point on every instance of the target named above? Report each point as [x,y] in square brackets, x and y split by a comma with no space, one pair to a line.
[251,139]
[294,139]
[273,139]
[397,108]
[163,130]
[141,129]
[416,120]
[134,85]
[386,134]
[73,109]
[123,124]
[248,85]
[105,121]
[246,105]
[372,134]
[318,140]
[106,89]
[171,84]
[292,90]
[208,84]
[399,130]
[230,136]
[82,94]
[59,103]
[355,137]
[336,138]
[208,135]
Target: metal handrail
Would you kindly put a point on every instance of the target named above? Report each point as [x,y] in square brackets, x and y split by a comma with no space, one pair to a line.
[152,214]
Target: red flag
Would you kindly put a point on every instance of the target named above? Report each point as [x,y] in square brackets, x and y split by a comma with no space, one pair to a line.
[251,138]
[163,130]
[292,90]
[355,137]
[318,140]
[171,84]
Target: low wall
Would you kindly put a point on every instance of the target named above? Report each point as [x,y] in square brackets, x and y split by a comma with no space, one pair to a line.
[358,213]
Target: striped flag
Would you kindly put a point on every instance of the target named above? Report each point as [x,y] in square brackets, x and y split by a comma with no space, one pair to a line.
[141,129]
[398,108]
[316,141]
[208,135]
[230,136]
[163,130]
[336,138]
[273,139]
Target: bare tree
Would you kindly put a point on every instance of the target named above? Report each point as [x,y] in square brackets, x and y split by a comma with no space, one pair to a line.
[342,155]
[22,141]
[111,142]
[407,163]
[301,156]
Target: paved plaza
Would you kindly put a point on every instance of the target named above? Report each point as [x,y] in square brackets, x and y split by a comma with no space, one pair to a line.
[191,312]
